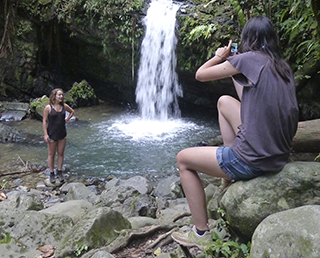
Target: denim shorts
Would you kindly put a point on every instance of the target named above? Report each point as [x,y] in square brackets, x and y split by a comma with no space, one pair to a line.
[235,168]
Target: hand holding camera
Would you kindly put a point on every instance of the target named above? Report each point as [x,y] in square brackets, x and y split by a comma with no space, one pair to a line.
[234,47]
[225,52]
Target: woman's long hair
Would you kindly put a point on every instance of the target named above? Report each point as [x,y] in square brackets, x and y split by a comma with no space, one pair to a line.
[53,95]
[259,35]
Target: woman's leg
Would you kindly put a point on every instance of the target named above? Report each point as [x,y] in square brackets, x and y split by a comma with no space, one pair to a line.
[190,161]
[52,146]
[229,118]
[60,150]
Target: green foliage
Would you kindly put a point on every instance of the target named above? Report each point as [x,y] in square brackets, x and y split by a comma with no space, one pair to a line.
[201,34]
[299,29]
[229,249]
[116,23]
[115,18]
[80,91]
[39,104]
[221,244]
[317,159]
[3,184]
[4,237]
[238,10]
[81,250]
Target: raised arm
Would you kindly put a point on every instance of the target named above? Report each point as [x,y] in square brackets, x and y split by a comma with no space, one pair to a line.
[217,68]
[70,110]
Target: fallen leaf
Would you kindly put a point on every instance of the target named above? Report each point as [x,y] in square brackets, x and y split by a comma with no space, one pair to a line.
[3,196]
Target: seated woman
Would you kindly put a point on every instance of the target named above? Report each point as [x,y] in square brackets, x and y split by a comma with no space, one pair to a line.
[257,131]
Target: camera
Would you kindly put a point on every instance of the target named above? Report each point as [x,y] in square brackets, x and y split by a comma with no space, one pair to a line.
[234,47]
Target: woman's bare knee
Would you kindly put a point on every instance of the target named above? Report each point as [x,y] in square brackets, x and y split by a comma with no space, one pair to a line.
[225,100]
[180,158]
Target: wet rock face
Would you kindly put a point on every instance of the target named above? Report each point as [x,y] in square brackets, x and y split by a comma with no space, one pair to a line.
[13,111]
[9,134]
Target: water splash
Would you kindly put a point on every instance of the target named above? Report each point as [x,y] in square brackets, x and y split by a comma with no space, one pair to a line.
[138,129]
[158,89]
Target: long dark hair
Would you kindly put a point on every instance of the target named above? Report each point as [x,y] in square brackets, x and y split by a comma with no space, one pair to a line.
[53,95]
[259,35]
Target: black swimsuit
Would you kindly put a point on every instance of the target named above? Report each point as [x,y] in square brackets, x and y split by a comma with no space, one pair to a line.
[57,124]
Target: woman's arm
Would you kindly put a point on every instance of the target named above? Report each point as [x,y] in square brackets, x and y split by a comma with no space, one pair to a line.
[213,69]
[70,110]
[46,112]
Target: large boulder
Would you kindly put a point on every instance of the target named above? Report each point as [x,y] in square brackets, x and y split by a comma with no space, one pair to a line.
[141,184]
[128,201]
[247,203]
[13,111]
[97,228]
[292,233]
[78,191]
[307,138]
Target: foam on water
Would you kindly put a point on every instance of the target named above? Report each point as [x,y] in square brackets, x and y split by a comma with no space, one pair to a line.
[137,128]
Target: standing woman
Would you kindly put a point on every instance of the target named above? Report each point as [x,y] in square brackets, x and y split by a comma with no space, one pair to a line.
[257,129]
[54,128]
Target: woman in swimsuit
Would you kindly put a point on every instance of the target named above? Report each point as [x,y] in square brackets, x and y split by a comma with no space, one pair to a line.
[54,128]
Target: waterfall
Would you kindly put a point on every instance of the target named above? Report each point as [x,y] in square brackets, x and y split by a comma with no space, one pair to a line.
[158,89]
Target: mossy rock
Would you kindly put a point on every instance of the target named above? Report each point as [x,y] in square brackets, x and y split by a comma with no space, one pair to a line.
[37,106]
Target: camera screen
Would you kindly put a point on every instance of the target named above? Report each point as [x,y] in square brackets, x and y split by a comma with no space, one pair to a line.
[234,47]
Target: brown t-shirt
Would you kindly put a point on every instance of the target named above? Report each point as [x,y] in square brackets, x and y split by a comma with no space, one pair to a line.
[269,113]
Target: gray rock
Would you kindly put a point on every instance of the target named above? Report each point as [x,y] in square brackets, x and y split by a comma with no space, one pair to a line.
[29,230]
[97,254]
[212,196]
[140,222]
[74,209]
[22,200]
[98,228]
[129,202]
[14,111]
[293,233]
[8,134]
[112,183]
[137,182]
[247,203]
[78,191]
[169,188]
[115,195]
[175,209]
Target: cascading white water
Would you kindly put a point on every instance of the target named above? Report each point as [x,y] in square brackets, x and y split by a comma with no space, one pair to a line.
[158,89]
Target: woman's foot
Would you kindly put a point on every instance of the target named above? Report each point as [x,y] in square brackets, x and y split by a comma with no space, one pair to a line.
[60,176]
[52,178]
[192,238]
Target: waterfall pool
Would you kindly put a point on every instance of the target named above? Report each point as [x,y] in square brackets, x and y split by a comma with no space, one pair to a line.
[108,141]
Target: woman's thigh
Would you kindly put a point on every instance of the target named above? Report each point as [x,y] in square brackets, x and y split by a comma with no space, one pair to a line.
[200,159]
